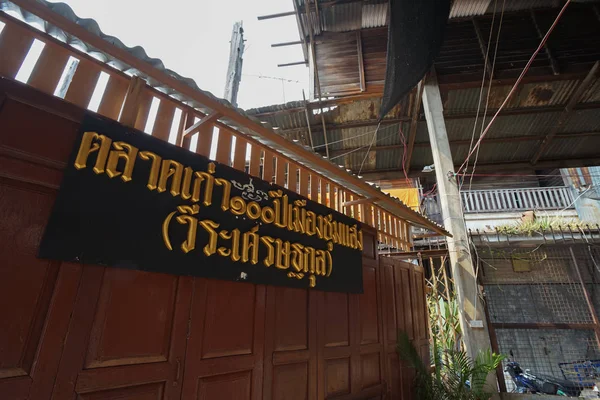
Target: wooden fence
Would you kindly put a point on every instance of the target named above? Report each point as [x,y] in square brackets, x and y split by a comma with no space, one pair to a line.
[191,119]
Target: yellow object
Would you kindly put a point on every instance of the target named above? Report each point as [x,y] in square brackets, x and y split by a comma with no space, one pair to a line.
[409,196]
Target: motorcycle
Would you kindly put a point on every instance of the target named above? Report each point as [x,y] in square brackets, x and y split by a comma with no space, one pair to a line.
[526,382]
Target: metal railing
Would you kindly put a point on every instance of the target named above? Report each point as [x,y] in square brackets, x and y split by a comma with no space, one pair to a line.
[506,200]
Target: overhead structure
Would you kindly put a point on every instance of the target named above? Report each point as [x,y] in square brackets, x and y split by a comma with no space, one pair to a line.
[353,34]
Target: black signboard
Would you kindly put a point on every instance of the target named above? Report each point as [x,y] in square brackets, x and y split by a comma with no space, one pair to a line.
[129,200]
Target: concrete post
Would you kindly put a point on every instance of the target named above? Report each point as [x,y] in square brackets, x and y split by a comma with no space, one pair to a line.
[473,323]
[234,69]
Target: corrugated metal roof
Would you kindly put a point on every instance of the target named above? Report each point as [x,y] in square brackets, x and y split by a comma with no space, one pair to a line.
[539,94]
[465,8]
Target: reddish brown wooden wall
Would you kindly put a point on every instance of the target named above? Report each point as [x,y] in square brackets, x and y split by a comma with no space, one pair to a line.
[71,331]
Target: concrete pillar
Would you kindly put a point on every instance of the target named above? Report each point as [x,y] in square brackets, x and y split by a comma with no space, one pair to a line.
[473,322]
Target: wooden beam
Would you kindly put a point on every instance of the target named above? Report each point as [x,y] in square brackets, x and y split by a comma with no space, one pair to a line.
[358,124]
[415,254]
[573,100]
[132,101]
[304,156]
[491,168]
[291,64]
[212,117]
[551,59]
[277,15]
[414,123]
[576,135]
[282,44]
[307,115]
[359,201]
[483,48]
[361,63]
[316,70]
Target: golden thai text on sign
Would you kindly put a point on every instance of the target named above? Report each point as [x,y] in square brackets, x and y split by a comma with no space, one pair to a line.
[118,159]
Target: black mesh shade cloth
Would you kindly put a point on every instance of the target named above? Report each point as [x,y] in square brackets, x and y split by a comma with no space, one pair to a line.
[415,35]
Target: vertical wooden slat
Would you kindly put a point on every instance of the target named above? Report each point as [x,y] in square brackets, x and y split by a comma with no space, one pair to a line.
[205,137]
[354,207]
[268,166]
[224,146]
[83,84]
[280,172]
[15,43]
[342,199]
[113,97]
[144,109]
[334,197]
[323,191]
[255,154]
[187,120]
[136,97]
[239,159]
[314,187]
[395,231]
[292,177]
[49,68]
[164,119]
[304,182]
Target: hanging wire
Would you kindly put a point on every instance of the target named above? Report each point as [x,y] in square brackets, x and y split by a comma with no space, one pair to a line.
[368,151]
[516,84]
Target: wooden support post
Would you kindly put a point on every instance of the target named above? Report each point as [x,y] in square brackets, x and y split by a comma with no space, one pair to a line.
[472,312]
[132,101]
[207,119]
[414,123]
[316,72]
[307,114]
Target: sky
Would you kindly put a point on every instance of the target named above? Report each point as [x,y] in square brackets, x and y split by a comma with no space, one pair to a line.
[192,38]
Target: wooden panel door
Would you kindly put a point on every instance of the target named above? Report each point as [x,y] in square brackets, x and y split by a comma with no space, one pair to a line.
[36,296]
[350,337]
[127,336]
[224,357]
[404,309]
[291,344]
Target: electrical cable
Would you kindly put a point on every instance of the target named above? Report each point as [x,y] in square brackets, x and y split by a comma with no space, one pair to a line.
[485,64]
[368,151]
[355,136]
[489,91]
[361,147]
[518,81]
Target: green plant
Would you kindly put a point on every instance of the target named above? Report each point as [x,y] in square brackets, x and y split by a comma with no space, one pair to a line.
[456,377]
[539,225]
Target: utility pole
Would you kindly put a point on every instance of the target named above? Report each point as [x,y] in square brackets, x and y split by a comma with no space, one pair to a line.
[234,69]
[472,314]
